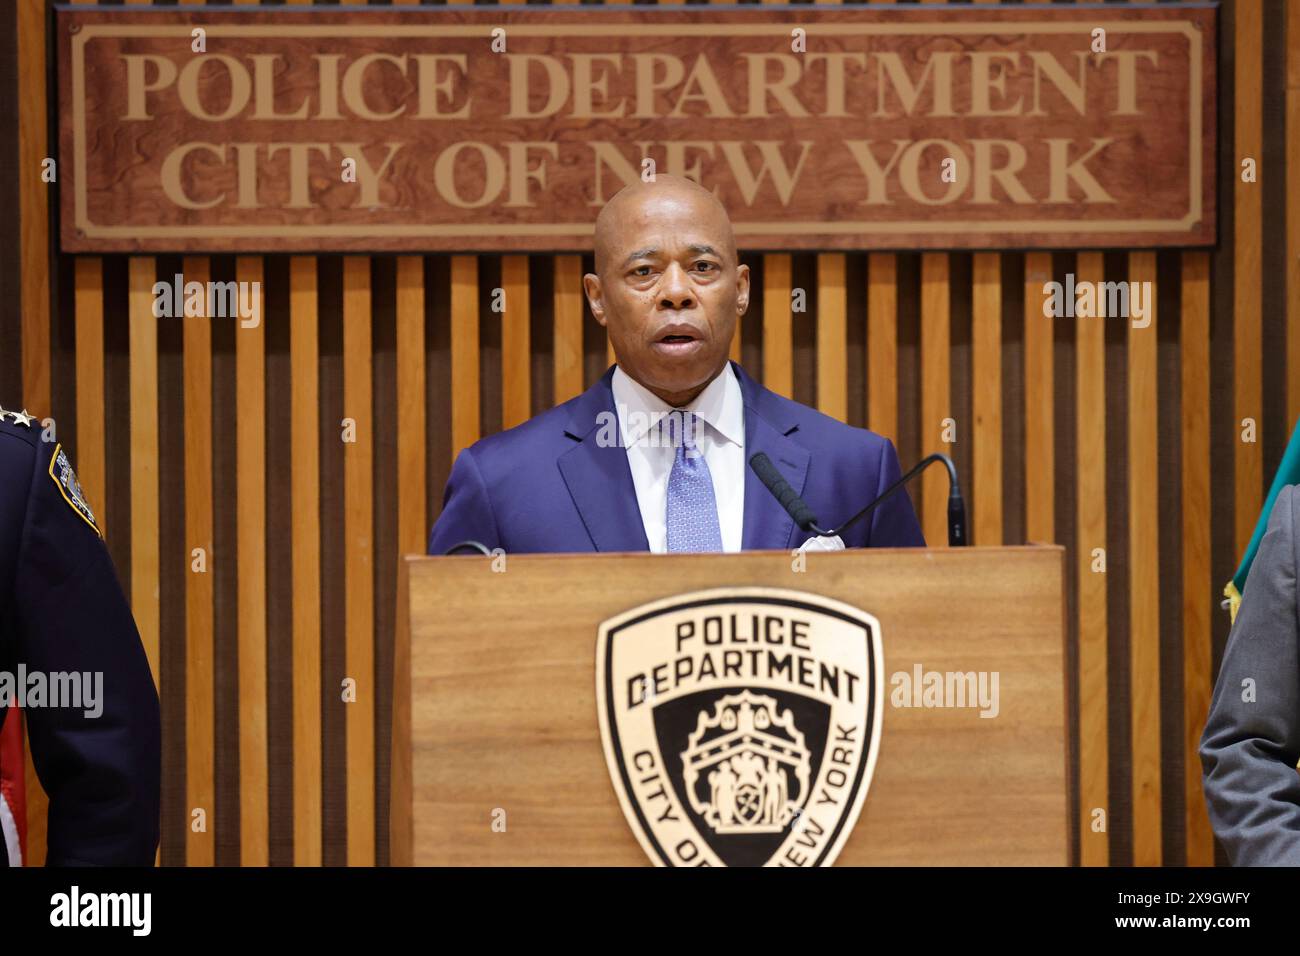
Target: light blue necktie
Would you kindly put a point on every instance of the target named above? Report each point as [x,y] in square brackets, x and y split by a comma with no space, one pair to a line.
[692,517]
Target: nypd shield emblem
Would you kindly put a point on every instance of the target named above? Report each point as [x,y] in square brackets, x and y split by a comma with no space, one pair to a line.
[70,488]
[741,725]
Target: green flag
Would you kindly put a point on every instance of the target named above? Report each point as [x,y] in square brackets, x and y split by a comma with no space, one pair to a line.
[1288,473]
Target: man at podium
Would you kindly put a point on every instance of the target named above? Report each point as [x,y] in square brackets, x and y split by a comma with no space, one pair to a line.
[653,457]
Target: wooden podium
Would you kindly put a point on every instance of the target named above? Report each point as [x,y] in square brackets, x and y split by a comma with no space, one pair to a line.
[497,749]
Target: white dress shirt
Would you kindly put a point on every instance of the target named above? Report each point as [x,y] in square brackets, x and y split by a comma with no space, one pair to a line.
[721,410]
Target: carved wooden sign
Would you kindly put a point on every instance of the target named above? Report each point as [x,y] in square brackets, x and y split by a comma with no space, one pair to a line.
[507,128]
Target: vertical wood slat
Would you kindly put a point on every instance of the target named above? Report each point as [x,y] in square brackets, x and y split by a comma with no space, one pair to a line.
[305,531]
[33,217]
[936,388]
[1247,357]
[516,390]
[88,307]
[91,455]
[882,344]
[567,318]
[200,706]
[1100,273]
[1144,570]
[304,478]
[986,314]
[567,305]
[832,336]
[1197,586]
[358,531]
[250,497]
[358,561]
[145,543]
[200,591]
[778,341]
[1040,428]
[1090,503]
[465,420]
[1293,213]
[986,400]
[412,504]
[144,454]
[412,515]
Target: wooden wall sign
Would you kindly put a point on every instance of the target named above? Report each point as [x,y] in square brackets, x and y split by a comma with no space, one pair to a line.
[507,128]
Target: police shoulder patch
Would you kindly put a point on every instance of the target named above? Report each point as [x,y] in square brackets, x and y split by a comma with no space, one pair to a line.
[66,479]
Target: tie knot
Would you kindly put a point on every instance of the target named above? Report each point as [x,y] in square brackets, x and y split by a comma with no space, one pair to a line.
[681,429]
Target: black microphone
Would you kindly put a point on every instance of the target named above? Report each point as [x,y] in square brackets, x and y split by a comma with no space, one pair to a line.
[783,492]
[805,518]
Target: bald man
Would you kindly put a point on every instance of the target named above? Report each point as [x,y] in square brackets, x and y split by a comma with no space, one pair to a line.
[653,457]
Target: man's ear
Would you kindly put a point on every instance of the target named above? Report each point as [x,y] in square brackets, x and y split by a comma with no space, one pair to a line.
[595,296]
[742,289]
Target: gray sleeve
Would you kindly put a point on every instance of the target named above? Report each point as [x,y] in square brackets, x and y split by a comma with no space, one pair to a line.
[1250,747]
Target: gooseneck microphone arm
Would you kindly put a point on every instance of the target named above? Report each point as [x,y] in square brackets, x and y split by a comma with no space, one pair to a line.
[478,546]
[804,517]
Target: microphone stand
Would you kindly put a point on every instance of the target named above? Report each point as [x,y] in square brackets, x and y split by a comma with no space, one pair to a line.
[956,506]
[805,518]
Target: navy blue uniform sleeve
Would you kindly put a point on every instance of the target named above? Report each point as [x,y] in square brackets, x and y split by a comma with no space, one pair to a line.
[102,771]
[894,524]
[466,509]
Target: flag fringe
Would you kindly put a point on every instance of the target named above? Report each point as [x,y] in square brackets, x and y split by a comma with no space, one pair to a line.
[1233,602]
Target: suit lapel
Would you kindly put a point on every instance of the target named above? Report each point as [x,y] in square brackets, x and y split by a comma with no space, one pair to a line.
[598,476]
[767,525]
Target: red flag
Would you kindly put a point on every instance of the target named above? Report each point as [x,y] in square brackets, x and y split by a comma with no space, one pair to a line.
[13,790]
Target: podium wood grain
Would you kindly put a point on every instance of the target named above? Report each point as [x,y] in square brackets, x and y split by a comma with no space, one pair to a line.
[495,709]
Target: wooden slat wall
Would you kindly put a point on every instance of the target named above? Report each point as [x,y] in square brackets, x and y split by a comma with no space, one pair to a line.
[882,349]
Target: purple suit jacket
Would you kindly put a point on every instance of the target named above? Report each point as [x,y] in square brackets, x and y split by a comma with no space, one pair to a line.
[549,486]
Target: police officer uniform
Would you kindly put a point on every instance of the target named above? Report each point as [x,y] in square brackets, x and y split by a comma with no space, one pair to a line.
[62,611]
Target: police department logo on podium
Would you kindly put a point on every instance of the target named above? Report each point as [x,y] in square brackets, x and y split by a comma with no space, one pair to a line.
[741,725]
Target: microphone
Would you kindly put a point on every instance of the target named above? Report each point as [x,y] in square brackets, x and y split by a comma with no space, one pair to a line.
[806,519]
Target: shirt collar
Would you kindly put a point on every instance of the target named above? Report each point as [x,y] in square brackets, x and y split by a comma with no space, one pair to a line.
[721,405]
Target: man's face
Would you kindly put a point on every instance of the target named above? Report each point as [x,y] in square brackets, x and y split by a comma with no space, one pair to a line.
[669,291]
